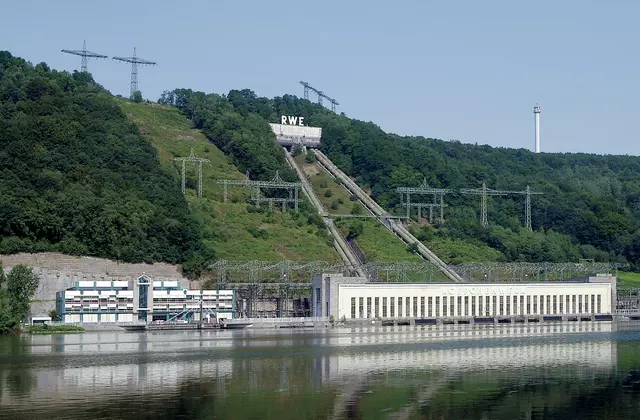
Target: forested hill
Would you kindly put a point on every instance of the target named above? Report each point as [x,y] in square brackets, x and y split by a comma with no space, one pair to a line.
[590,207]
[76,176]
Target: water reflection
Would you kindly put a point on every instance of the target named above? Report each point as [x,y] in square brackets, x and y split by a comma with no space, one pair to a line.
[492,371]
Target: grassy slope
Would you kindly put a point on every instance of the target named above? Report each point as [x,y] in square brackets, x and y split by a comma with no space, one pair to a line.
[377,243]
[628,280]
[226,225]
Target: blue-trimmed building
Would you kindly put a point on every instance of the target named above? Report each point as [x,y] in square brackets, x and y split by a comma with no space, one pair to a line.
[142,299]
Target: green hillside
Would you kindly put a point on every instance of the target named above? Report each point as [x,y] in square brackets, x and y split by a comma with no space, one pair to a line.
[76,176]
[590,207]
[233,230]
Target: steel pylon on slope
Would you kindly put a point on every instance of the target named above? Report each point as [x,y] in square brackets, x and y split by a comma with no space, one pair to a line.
[293,189]
[424,189]
[85,54]
[135,62]
[191,159]
[484,192]
[321,95]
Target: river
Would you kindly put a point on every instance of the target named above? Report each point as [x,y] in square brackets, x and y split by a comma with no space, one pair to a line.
[558,371]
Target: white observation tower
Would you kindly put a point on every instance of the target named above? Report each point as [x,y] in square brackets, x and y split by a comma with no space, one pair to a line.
[536,113]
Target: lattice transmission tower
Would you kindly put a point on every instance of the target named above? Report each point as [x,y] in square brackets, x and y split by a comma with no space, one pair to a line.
[85,54]
[135,62]
[308,87]
[424,189]
[484,192]
[192,159]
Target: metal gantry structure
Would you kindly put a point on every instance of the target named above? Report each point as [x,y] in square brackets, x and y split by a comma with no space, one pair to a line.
[485,192]
[85,54]
[424,189]
[258,196]
[192,158]
[135,62]
[300,273]
[321,95]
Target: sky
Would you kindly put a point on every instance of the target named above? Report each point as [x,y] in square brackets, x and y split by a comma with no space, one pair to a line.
[467,70]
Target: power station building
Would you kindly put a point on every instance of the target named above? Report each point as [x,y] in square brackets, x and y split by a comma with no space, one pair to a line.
[292,132]
[142,299]
[355,297]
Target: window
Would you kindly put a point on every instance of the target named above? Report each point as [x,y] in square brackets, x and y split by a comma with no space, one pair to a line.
[501,305]
[593,304]
[535,304]
[568,309]
[473,305]
[444,306]
[422,307]
[415,307]
[377,303]
[438,306]
[521,305]
[528,305]
[547,308]
[451,306]
[579,304]
[495,305]
[353,307]
[599,310]
[361,307]
[384,307]
[399,307]
[368,307]
[487,301]
[430,306]
[561,304]
[407,307]
[508,305]
[392,310]
[466,305]
[480,306]
[459,305]
[555,304]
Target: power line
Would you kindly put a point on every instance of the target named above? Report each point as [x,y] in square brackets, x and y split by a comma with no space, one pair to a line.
[85,54]
[192,159]
[135,62]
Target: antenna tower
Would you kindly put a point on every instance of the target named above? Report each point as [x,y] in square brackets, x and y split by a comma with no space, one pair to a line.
[308,87]
[85,55]
[135,62]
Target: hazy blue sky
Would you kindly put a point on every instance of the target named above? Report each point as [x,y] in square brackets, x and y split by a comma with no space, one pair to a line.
[468,70]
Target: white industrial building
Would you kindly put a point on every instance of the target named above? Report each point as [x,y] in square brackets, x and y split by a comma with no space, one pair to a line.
[291,135]
[142,299]
[353,298]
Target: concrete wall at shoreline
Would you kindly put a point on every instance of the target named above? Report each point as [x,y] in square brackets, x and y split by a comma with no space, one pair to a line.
[58,272]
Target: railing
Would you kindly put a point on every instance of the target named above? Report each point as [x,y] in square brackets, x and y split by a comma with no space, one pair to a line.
[275,320]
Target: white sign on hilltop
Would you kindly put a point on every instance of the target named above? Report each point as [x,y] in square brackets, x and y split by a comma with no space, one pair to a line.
[291,120]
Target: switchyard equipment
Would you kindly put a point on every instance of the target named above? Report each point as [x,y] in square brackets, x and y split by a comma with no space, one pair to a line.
[258,196]
[424,189]
[85,54]
[135,62]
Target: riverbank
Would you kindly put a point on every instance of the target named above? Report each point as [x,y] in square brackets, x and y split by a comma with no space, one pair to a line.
[53,329]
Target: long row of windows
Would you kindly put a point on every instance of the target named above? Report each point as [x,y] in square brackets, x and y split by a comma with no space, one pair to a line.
[478,306]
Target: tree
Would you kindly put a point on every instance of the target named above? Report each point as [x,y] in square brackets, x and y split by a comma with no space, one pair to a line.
[297,150]
[15,294]
[136,96]
[310,157]
[355,230]
[328,193]
[55,316]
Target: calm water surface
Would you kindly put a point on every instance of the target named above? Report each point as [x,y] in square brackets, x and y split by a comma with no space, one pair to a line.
[562,371]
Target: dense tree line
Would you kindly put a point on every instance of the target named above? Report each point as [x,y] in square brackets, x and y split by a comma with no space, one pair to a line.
[590,207]
[77,177]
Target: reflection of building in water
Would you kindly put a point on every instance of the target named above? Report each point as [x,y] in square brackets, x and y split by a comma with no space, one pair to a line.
[141,299]
[352,298]
[599,355]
